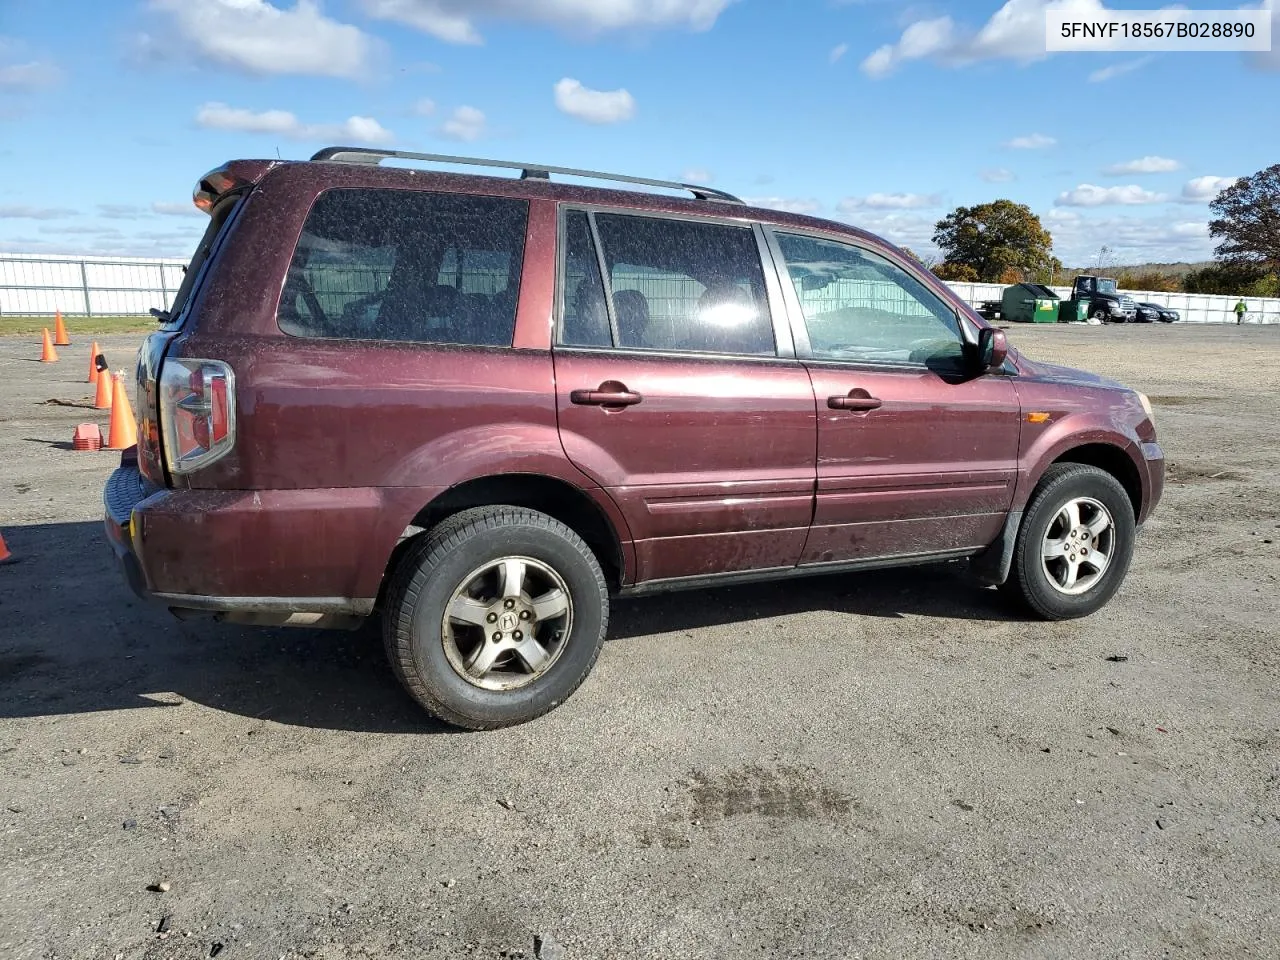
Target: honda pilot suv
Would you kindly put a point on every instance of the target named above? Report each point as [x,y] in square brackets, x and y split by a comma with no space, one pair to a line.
[481,407]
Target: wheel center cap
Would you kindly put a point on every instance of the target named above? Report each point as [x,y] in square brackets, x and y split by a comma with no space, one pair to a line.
[508,622]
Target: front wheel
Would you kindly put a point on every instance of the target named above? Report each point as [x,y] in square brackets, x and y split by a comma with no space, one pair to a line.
[1075,543]
[495,617]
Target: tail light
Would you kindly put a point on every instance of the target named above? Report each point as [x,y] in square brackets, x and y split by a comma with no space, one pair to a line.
[197,412]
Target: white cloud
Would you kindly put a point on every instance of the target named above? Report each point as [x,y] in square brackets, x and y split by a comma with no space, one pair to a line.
[1131,239]
[1014,32]
[998,175]
[837,52]
[282,123]
[785,204]
[455,21]
[1104,74]
[258,37]
[1087,195]
[1204,189]
[1144,165]
[1033,141]
[424,107]
[170,209]
[1271,60]
[81,230]
[465,123]
[29,76]
[698,175]
[594,106]
[905,228]
[121,211]
[22,211]
[888,201]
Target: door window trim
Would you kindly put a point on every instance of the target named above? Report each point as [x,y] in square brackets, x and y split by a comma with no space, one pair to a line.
[775,302]
[799,328]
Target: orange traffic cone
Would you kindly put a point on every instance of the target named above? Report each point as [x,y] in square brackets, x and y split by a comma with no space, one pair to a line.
[93,363]
[124,428]
[48,354]
[60,337]
[103,399]
[5,555]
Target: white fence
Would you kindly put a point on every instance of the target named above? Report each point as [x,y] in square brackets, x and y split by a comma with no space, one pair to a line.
[1193,307]
[94,286]
[33,285]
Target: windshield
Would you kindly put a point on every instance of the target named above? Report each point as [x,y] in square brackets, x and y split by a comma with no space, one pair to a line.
[1106,286]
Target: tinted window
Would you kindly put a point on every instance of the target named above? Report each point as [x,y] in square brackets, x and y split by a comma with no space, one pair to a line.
[686,286]
[398,265]
[859,306]
[585,317]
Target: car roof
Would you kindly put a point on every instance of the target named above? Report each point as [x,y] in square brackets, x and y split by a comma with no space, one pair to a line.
[331,173]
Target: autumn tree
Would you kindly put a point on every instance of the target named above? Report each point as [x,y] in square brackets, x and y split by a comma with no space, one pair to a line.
[993,238]
[1246,221]
[956,272]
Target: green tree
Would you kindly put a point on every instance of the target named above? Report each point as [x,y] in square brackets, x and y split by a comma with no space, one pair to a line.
[993,238]
[1246,221]
[1226,279]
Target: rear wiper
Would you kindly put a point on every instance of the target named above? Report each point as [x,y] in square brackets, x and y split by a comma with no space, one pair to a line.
[160,315]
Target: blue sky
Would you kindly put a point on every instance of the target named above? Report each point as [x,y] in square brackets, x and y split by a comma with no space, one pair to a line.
[885,114]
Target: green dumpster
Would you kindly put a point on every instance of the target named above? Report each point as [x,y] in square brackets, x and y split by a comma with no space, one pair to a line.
[1074,311]
[1029,303]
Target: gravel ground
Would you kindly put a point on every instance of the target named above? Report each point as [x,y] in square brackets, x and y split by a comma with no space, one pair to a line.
[886,765]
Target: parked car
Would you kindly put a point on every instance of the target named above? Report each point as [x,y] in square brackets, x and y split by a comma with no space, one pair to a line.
[480,407]
[1147,312]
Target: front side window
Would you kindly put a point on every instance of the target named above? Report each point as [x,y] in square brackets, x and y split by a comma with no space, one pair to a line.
[672,285]
[859,306]
[406,266]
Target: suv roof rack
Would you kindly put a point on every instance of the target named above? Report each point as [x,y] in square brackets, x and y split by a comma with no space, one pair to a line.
[528,171]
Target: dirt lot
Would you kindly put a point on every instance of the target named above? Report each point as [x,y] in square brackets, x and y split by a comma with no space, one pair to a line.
[889,765]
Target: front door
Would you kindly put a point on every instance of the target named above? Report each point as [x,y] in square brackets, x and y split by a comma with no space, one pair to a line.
[673,393]
[916,454]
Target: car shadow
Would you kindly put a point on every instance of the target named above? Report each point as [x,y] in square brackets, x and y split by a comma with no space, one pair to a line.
[73,639]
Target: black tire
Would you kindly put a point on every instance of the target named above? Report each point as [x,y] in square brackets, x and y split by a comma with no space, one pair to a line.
[424,582]
[1029,583]
[1100,315]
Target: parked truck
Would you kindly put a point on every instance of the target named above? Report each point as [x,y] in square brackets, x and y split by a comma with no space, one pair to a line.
[1097,299]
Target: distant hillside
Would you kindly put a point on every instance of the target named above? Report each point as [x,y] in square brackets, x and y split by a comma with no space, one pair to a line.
[1178,270]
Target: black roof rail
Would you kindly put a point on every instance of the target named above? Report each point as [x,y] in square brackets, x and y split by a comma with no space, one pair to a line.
[528,171]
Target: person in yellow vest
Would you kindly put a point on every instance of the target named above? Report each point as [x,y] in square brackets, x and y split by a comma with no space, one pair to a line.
[1240,311]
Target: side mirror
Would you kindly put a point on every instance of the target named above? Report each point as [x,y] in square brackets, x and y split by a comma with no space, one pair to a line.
[993,348]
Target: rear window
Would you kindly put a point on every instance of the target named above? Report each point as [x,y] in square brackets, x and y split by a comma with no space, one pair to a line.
[407,266]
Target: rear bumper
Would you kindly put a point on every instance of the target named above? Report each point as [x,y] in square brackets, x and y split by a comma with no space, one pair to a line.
[278,556]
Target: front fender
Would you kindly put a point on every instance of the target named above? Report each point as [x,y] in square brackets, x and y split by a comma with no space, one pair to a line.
[1044,445]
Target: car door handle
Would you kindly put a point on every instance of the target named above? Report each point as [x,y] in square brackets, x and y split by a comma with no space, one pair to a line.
[608,394]
[855,400]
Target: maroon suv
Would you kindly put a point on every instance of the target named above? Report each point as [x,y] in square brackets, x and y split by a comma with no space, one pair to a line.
[481,406]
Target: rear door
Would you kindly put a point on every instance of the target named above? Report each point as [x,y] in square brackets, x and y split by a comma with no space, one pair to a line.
[917,455]
[678,391]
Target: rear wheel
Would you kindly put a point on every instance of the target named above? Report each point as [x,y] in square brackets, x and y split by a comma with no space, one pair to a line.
[1075,543]
[495,617]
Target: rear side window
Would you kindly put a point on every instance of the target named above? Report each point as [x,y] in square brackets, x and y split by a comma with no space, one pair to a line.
[585,316]
[407,266]
[671,285]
